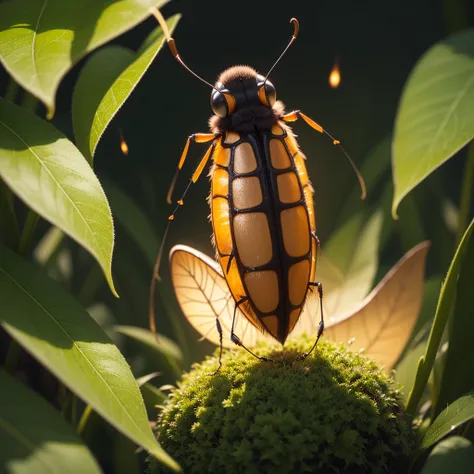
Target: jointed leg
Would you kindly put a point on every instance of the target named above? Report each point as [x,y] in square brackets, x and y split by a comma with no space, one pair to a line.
[318,248]
[194,138]
[219,329]
[235,339]
[321,323]
[296,114]
[199,138]
[316,238]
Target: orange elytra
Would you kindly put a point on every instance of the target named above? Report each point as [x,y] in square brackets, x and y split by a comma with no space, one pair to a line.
[261,201]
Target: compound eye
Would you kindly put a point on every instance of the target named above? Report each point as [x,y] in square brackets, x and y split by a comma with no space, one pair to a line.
[270,92]
[219,104]
[267,94]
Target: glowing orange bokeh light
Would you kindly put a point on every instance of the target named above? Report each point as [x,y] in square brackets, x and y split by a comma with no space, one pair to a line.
[335,76]
[124,146]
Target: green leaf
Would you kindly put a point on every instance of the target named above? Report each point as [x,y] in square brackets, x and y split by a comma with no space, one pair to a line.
[348,263]
[458,373]
[405,372]
[129,215]
[50,175]
[50,324]
[454,454]
[435,117]
[105,83]
[40,40]
[35,438]
[443,311]
[428,310]
[146,378]
[153,396]
[126,460]
[449,419]
[94,83]
[138,226]
[161,344]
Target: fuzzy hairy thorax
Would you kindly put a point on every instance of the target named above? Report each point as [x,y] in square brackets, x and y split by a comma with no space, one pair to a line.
[250,117]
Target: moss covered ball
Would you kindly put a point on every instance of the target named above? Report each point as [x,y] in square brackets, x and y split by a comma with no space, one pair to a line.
[334,412]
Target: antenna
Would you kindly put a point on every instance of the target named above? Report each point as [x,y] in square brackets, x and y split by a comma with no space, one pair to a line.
[296,30]
[172,45]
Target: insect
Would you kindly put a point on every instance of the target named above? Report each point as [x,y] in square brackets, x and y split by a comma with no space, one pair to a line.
[261,201]
[379,323]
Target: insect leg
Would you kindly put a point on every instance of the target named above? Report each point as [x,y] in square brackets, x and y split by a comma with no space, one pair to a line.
[316,238]
[296,114]
[236,340]
[321,323]
[156,276]
[318,248]
[219,329]
[194,138]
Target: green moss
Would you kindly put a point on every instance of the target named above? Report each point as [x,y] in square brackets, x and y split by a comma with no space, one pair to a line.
[334,412]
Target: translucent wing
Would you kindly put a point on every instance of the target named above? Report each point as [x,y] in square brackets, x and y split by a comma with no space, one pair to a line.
[203,295]
[348,263]
[383,322]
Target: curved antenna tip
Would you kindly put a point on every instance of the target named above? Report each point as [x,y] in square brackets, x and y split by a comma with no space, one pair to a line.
[296,26]
[363,188]
[172,46]
[296,29]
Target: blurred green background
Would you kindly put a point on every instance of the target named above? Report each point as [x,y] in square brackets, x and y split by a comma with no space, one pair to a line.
[376,45]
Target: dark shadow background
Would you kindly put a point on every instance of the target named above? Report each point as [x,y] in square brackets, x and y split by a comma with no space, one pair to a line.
[376,44]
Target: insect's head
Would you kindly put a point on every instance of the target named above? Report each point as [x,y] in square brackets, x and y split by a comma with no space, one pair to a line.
[241,86]
[238,87]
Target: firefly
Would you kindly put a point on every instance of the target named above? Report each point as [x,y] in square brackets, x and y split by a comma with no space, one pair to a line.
[335,76]
[261,199]
[123,144]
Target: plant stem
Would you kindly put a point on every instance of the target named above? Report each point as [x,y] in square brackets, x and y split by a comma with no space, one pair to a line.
[443,314]
[84,418]
[13,354]
[426,362]
[47,250]
[28,232]
[466,194]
